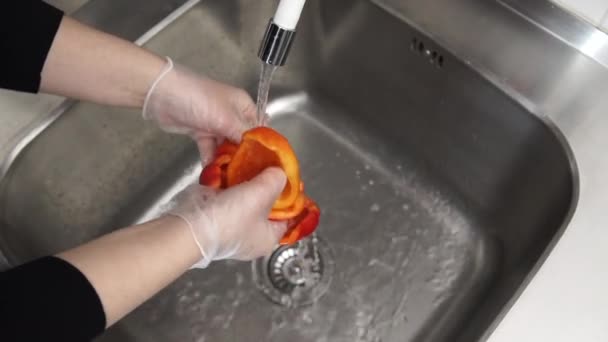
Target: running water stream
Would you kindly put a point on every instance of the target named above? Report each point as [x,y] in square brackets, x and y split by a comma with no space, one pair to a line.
[305,264]
[263,90]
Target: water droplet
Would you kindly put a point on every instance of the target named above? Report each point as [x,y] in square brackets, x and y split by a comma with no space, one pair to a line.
[405,207]
[286,300]
[371,182]
[432,252]
[240,279]
[437,300]
[375,208]
[367,167]
[396,239]
[306,317]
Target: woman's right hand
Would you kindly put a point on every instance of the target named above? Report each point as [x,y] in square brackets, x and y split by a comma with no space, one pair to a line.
[233,223]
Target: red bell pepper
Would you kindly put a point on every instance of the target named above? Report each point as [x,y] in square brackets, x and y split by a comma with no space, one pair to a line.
[260,148]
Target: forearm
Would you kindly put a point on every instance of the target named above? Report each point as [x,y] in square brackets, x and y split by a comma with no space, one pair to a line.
[87,64]
[130,265]
[48,299]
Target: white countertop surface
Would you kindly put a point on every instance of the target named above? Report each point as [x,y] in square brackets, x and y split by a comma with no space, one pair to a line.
[567,300]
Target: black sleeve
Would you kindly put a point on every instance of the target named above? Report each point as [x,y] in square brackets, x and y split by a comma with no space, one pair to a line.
[27,30]
[48,300]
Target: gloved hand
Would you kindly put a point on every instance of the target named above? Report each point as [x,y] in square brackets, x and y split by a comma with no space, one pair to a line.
[179,101]
[233,223]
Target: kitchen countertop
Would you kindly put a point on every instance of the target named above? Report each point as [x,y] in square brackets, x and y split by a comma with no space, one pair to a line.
[565,299]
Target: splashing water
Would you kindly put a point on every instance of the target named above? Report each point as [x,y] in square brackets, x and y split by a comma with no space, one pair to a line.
[263,89]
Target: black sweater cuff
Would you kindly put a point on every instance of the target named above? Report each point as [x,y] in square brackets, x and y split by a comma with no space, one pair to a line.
[27,31]
[48,300]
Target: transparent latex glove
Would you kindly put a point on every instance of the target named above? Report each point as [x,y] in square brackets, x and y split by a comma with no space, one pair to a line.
[180,101]
[233,223]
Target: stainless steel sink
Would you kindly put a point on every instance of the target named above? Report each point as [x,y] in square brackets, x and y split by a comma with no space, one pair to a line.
[439,192]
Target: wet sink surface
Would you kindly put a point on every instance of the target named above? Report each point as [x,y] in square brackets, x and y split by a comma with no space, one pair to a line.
[438,192]
[403,253]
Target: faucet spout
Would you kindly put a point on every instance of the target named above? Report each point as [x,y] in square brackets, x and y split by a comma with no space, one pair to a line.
[280,32]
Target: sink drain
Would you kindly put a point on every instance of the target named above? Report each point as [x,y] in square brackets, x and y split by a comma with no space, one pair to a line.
[295,275]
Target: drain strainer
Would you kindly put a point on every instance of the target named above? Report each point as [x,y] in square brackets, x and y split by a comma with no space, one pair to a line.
[295,275]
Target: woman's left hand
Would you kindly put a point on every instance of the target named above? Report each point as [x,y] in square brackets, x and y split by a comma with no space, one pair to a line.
[182,102]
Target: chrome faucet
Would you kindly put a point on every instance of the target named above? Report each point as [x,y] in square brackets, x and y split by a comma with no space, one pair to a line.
[280,32]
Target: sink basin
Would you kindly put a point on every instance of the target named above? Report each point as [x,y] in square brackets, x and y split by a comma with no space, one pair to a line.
[439,192]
